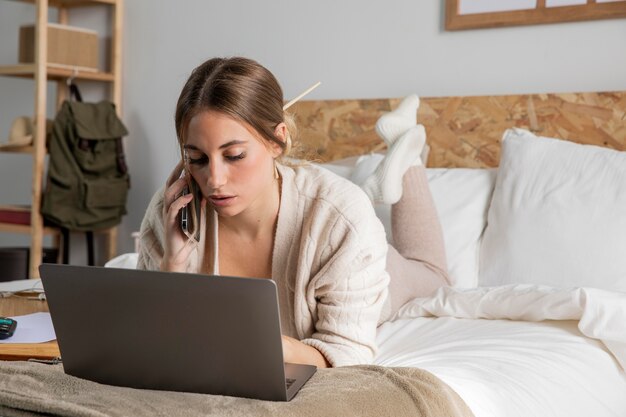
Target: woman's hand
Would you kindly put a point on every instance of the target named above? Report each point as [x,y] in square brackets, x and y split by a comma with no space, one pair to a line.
[178,247]
[294,351]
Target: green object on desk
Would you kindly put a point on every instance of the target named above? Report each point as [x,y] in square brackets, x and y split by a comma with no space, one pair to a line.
[7,327]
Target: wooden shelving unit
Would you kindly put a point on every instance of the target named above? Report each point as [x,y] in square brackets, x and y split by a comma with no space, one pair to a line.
[43,72]
[21,149]
[55,73]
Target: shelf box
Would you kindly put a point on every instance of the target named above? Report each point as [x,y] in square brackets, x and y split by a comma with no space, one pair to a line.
[67,46]
[14,261]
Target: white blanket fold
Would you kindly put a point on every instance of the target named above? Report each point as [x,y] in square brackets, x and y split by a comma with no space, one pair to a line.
[600,314]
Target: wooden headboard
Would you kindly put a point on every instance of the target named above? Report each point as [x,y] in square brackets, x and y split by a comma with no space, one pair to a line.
[463,131]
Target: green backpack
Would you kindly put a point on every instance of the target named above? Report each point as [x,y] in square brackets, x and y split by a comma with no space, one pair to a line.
[88,180]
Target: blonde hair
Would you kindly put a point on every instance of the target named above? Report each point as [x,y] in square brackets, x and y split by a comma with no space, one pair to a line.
[241,88]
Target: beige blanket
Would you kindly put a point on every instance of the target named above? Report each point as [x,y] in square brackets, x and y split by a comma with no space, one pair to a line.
[32,389]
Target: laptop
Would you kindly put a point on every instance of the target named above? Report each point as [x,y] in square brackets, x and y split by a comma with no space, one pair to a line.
[171,331]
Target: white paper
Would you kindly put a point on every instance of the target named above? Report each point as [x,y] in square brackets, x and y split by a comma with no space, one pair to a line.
[32,328]
[21,285]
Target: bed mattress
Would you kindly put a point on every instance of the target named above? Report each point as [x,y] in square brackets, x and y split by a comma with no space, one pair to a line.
[511,368]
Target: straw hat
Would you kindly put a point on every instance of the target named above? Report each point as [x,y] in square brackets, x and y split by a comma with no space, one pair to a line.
[22,131]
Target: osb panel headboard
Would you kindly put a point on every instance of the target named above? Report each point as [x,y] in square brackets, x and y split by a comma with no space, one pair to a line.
[464,131]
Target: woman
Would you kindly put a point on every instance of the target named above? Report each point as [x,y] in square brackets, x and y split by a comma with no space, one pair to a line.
[315,234]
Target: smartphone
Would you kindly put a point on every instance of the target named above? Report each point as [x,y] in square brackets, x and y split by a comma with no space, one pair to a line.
[184,215]
[190,214]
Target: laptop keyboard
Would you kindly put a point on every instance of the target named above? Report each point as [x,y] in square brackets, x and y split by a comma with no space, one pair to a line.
[289,382]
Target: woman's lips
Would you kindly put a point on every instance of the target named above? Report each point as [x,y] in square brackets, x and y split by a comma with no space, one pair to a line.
[221,200]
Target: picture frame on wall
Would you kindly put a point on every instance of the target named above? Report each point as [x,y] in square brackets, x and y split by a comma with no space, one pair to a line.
[473,14]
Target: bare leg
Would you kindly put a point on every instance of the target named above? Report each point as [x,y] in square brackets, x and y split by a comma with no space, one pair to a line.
[417,265]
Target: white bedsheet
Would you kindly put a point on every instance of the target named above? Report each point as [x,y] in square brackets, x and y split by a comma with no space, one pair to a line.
[517,350]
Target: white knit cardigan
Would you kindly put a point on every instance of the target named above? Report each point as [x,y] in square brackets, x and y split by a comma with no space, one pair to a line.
[328,262]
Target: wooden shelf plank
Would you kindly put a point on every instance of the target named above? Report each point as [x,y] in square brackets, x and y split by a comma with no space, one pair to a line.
[17,70]
[19,149]
[54,73]
[72,3]
[23,228]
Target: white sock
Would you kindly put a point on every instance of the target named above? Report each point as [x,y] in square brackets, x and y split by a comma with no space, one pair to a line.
[390,126]
[365,166]
[385,184]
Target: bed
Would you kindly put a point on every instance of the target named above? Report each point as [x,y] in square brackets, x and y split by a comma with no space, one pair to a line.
[528,329]
[531,193]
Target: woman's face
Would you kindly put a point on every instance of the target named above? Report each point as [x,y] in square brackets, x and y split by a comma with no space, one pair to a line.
[232,164]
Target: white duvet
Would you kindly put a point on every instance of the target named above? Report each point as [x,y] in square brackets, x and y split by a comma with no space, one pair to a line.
[521,350]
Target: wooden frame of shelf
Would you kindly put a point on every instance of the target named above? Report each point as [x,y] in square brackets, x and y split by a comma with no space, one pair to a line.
[55,73]
[19,149]
[73,3]
[42,72]
[22,228]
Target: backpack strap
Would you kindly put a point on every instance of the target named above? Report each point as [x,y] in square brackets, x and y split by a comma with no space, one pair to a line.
[120,158]
[76,95]
[75,92]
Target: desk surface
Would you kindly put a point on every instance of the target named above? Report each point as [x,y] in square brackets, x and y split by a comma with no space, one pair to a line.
[17,306]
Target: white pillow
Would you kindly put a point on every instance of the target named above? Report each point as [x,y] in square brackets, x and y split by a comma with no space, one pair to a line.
[462,199]
[125,260]
[557,216]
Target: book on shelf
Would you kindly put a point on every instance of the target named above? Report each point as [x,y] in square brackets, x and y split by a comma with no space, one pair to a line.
[15,214]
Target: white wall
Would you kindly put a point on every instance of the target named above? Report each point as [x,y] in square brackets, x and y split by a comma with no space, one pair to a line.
[357,49]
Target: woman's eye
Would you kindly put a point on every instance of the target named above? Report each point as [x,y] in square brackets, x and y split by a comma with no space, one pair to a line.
[236,157]
[198,161]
